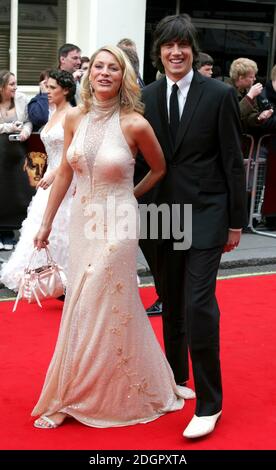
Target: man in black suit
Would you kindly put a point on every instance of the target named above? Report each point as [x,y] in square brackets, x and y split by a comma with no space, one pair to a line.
[196,120]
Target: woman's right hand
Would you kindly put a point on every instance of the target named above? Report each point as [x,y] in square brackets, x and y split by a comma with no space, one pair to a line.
[11,128]
[41,238]
[46,180]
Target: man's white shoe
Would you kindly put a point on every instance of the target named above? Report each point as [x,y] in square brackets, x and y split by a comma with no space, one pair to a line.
[201,425]
[8,246]
[186,392]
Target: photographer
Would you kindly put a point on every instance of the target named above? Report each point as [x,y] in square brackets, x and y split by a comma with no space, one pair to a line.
[267,100]
[242,77]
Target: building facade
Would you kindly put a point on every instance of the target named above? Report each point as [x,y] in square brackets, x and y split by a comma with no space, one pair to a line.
[32,30]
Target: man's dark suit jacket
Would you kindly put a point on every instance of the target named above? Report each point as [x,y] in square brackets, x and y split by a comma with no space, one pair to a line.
[205,167]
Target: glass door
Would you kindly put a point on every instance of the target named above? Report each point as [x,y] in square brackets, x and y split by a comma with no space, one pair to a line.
[226,42]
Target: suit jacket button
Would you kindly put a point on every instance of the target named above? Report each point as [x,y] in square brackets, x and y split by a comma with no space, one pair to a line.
[174,165]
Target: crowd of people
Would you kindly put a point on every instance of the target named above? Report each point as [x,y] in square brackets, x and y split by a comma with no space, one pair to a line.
[109,137]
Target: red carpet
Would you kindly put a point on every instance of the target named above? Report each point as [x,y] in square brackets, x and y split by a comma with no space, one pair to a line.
[248,333]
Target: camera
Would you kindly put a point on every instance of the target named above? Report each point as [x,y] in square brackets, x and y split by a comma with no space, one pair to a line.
[14,137]
[264,104]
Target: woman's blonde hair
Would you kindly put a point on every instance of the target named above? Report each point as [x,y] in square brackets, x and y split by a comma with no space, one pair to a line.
[130,94]
[241,67]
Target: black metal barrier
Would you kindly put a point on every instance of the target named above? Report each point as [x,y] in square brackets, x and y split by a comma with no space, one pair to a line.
[248,144]
[260,165]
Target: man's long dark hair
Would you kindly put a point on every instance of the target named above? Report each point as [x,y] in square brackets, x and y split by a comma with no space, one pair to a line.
[173,28]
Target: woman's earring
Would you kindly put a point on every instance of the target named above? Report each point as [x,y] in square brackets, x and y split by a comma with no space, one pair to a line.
[123,100]
[91,88]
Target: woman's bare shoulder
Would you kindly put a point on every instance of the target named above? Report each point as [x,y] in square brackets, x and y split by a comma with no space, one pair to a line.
[73,117]
[134,121]
[74,112]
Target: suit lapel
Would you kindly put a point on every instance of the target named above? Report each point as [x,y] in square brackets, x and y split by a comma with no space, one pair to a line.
[163,113]
[193,97]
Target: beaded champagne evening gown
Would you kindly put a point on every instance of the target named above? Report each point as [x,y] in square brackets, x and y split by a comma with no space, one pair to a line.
[108,368]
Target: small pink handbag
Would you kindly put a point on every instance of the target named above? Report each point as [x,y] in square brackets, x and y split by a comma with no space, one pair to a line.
[41,283]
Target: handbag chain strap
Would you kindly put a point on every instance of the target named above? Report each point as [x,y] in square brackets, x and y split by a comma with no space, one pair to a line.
[49,257]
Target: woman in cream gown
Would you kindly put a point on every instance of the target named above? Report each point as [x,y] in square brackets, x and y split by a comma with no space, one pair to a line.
[108,368]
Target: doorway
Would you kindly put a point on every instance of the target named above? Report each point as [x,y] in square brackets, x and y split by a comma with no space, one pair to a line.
[228,41]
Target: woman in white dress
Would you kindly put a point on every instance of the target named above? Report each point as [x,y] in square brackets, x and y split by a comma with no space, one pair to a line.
[61,88]
[108,368]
